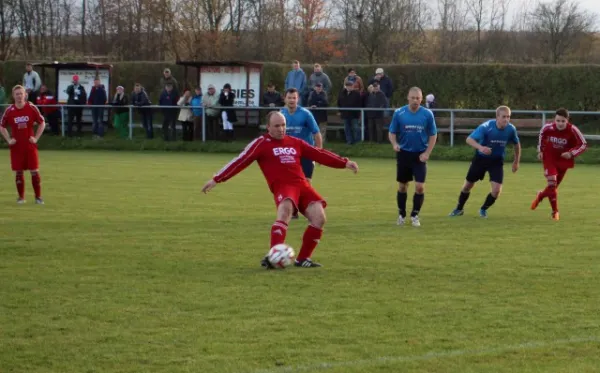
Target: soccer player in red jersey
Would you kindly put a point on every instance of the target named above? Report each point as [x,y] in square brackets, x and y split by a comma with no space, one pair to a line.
[559,143]
[278,157]
[21,117]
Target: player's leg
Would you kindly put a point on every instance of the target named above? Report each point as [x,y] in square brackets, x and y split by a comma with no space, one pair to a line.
[550,172]
[552,193]
[496,172]
[286,200]
[464,195]
[17,162]
[404,176]
[313,207]
[33,165]
[560,176]
[419,172]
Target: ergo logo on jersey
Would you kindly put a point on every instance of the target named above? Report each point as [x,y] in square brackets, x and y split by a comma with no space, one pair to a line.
[558,140]
[284,151]
[19,120]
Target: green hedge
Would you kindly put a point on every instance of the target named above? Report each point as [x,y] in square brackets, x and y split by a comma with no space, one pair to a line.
[472,86]
[441,152]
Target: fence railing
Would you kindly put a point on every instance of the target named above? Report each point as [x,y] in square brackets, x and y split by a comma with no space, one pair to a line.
[545,115]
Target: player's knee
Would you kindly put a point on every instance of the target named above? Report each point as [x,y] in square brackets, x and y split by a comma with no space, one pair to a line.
[419,188]
[467,186]
[318,220]
[496,190]
[285,210]
[402,187]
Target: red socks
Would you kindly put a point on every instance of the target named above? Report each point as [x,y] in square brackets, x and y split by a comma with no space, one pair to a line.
[310,240]
[278,232]
[20,182]
[552,195]
[36,181]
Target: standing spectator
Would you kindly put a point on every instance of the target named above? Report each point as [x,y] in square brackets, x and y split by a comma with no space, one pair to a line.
[186,117]
[318,76]
[355,79]
[197,113]
[271,97]
[228,116]
[121,119]
[168,97]
[430,102]
[169,79]
[31,82]
[210,102]
[385,83]
[77,97]
[318,99]
[97,97]
[296,78]
[350,98]
[139,98]
[45,97]
[376,100]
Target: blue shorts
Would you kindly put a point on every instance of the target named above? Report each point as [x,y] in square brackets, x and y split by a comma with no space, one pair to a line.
[480,165]
[409,167]
[308,167]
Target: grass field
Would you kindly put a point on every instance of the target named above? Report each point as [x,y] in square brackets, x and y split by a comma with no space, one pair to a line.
[129,268]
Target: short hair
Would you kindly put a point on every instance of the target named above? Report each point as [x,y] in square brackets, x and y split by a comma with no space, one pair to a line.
[17,87]
[502,108]
[375,84]
[317,65]
[562,112]
[270,115]
[29,64]
[290,91]
[137,85]
[296,62]
[415,89]
[270,84]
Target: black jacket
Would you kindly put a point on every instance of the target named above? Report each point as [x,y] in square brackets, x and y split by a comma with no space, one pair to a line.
[77,96]
[272,98]
[120,102]
[228,101]
[318,100]
[376,100]
[351,99]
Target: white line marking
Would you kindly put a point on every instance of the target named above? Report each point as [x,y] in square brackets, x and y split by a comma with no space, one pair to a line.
[428,356]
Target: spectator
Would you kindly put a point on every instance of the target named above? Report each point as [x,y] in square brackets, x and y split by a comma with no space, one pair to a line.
[168,97]
[186,117]
[139,99]
[226,99]
[350,98]
[355,79]
[169,79]
[77,97]
[210,102]
[430,102]
[318,76]
[385,83]
[98,96]
[45,97]
[296,78]
[121,118]
[197,113]
[31,82]
[318,99]
[271,97]
[376,100]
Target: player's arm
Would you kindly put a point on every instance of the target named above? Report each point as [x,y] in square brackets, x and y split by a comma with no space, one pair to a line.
[392,132]
[475,138]
[237,165]
[314,128]
[541,142]
[581,144]
[326,158]
[41,122]
[6,135]
[432,132]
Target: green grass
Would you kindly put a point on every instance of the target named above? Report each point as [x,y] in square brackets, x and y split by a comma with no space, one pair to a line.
[128,268]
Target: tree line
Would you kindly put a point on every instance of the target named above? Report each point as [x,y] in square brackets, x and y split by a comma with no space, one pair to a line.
[326,31]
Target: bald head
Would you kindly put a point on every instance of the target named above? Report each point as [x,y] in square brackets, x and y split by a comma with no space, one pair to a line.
[415,97]
[276,125]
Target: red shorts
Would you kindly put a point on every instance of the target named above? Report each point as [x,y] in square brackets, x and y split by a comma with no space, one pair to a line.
[24,159]
[301,195]
[553,168]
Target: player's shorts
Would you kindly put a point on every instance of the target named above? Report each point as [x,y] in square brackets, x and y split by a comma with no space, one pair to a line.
[308,167]
[553,168]
[409,167]
[24,159]
[301,195]
[480,165]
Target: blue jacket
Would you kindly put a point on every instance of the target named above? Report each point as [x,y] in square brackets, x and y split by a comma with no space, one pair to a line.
[296,79]
[197,101]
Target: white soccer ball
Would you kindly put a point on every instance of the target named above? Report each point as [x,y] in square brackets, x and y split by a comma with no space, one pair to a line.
[281,256]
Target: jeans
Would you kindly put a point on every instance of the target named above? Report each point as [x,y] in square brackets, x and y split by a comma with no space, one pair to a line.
[74,115]
[147,122]
[97,125]
[351,130]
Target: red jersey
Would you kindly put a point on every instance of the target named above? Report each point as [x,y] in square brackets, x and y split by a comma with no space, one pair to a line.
[279,160]
[21,122]
[553,142]
[47,98]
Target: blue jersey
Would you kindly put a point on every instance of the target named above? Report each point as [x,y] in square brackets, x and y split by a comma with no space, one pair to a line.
[301,124]
[488,134]
[413,129]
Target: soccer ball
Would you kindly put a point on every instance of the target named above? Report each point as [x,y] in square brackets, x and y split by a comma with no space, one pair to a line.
[281,256]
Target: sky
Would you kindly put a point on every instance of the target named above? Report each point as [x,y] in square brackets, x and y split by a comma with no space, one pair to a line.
[588,5]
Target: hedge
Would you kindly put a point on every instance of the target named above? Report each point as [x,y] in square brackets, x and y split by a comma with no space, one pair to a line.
[474,86]
[365,150]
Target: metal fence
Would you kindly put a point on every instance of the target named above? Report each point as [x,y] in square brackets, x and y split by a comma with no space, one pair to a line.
[544,116]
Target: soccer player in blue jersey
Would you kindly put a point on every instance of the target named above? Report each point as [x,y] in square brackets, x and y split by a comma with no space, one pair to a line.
[301,123]
[413,134]
[489,140]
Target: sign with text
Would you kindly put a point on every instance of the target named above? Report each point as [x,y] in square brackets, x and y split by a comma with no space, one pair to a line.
[236,76]
[86,79]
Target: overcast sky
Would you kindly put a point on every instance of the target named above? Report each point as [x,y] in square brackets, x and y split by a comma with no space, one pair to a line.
[589,5]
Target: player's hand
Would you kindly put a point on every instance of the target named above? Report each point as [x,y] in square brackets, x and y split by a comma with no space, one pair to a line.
[32,140]
[567,155]
[208,186]
[540,156]
[396,148]
[485,150]
[424,157]
[12,141]
[352,166]
[515,167]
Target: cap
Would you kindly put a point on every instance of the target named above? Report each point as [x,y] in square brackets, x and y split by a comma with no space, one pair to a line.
[379,70]
[75,77]
[120,87]
[430,97]
[211,86]
[318,84]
